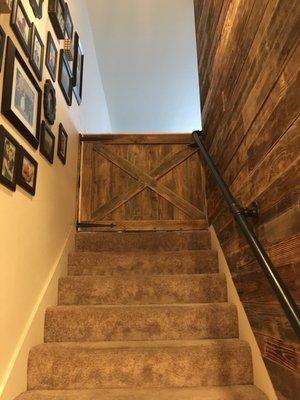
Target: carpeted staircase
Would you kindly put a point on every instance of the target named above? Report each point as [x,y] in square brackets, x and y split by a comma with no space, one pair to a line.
[142,316]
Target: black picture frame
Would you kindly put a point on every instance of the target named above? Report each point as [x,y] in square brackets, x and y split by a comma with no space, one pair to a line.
[37,7]
[62,144]
[51,57]
[69,26]
[49,102]
[27,172]
[9,159]
[36,40]
[65,78]
[2,45]
[15,22]
[78,68]
[47,143]
[57,13]
[24,106]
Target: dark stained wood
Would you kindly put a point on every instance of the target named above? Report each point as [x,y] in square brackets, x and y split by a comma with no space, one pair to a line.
[147,138]
[249,73]
[142,183]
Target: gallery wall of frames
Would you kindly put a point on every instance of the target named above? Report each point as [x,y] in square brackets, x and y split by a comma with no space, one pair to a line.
[28,95]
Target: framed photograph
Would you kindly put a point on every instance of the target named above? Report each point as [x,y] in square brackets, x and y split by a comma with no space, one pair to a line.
[21,96]
[9,153]
[57,13]
[47,143]
[49,102]
[27,172]
[51,57]
[69,27]
[65,78]
[37,7]
[78,69]
[37,53]
[62,146]
[2,45]
[21,25]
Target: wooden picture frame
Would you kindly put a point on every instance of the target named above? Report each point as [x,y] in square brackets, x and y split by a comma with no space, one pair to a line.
[21,96]
[51,57]
[49,102]
[65,78]
[37,8]
[9,159]
[27,172]
[57,13]
[62,144]
[37,53]
[47,143]
[69,26]
[2,45]
[78,67]
[21,25]
[5,6]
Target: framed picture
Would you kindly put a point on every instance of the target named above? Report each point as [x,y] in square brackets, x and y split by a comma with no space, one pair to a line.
[37,7]
[9,153]
[47,143]
[78,68]
[2,45]
[21,96]
[69,27]
[57,13]
[21,25]
[49,102]
[27,172]
[62,146]
[37,53]
[65,78]
[51,57]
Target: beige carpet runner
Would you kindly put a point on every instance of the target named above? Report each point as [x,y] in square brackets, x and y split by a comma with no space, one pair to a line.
[142,316]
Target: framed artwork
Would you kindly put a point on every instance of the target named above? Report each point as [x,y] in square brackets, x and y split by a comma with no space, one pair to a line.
[47,143]
[65,78]
[37,53]
[62,146]
[57,13]
[9,154]
[27,172]
[21,96]
[21,25]
[2,45]
[49,102]
[78,69]
[51,57]
[5,6]
[37,7]
[69,27]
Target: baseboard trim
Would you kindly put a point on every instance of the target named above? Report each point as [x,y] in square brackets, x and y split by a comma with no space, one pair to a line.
[15,378]
[261,377]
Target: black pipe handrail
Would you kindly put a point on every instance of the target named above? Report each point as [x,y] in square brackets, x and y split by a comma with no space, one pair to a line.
[287,302]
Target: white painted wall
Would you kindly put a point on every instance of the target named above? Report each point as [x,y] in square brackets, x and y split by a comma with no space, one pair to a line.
[147,56]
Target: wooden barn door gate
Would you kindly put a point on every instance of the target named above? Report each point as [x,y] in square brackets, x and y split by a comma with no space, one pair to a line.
[140,182]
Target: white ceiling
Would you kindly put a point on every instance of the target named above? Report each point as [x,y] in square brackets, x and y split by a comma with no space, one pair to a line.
[147,58]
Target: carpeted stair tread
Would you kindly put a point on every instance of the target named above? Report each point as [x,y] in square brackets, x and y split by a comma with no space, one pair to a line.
[144,263]
[143,322]
[166,241]
[212,393]
[148,364]
[156,289]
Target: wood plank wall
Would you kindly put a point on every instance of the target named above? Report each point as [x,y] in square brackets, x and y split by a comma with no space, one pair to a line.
[249,71]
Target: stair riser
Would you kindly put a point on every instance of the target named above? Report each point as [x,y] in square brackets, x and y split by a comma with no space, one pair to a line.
[92,324]
[91,368]
[187,262]
[138,290]
[147,241]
